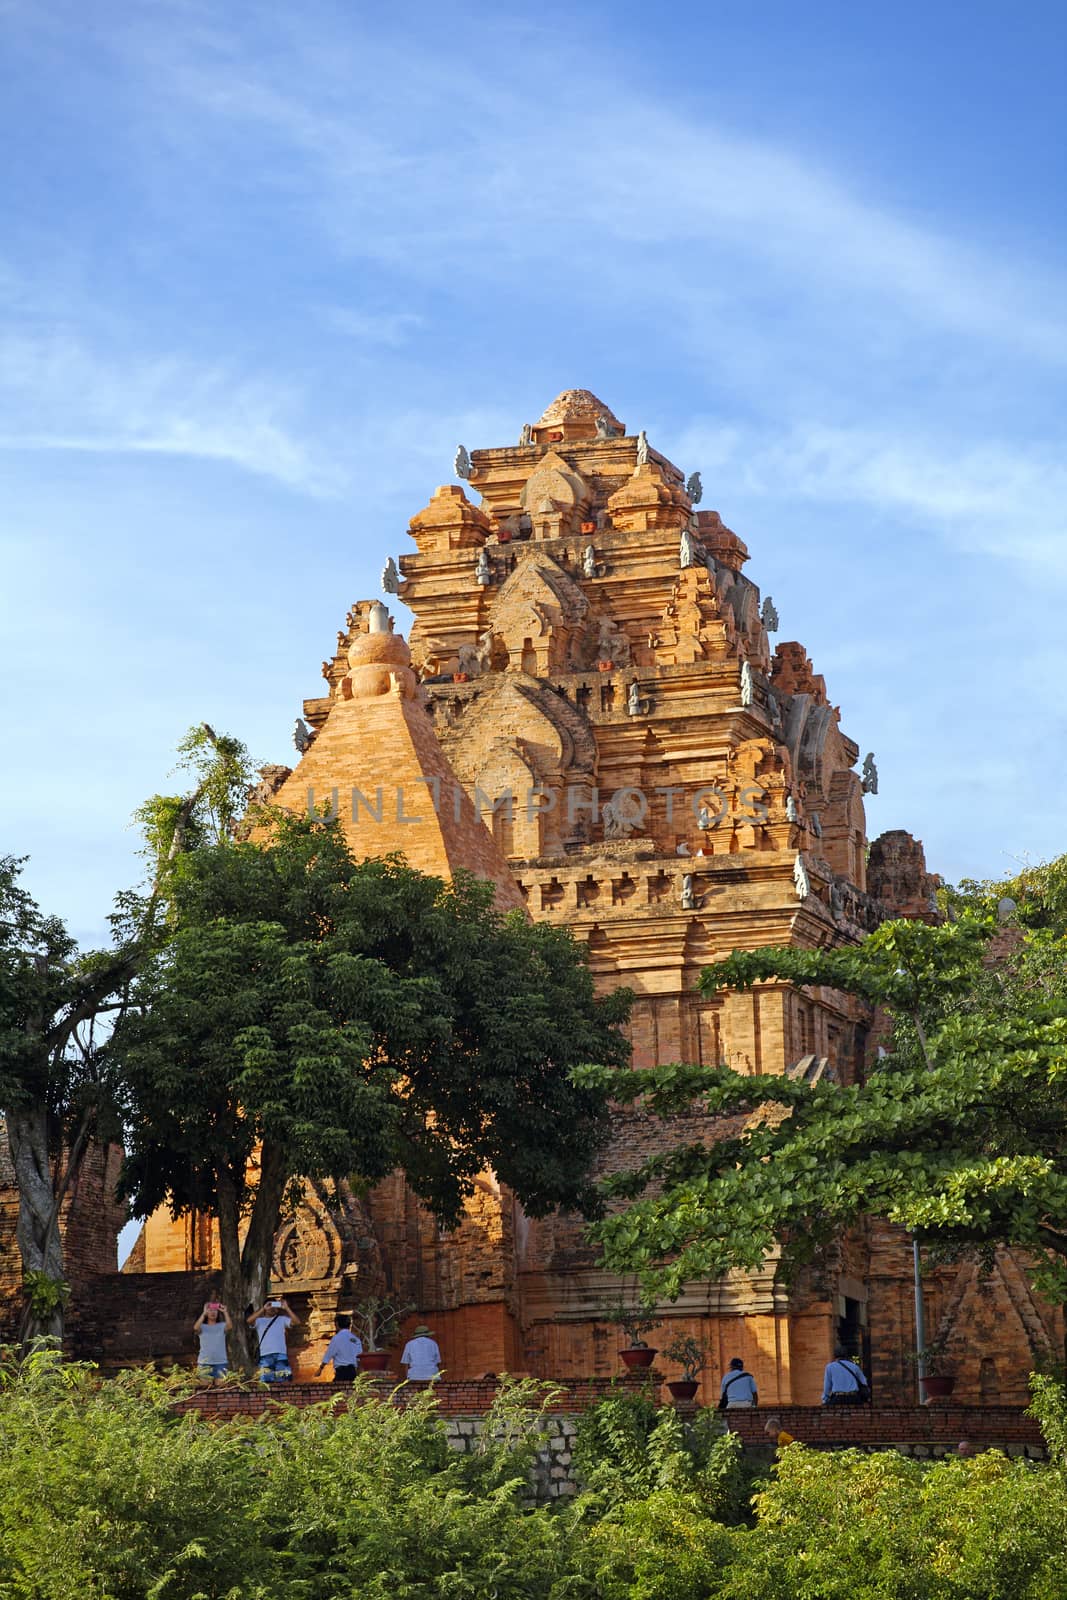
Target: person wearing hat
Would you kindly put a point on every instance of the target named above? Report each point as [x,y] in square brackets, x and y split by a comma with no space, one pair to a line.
[421,1356]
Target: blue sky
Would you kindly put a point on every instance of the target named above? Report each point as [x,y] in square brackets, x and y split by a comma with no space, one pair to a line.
[263,267]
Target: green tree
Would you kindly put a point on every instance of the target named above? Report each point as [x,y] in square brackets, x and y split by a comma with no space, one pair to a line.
[313,1018]
[958,1132]
[56,1005]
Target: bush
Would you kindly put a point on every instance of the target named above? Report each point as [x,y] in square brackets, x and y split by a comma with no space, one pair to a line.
[106,1493]
[628,1448]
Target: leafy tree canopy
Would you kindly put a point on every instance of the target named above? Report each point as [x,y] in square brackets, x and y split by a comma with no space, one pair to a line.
[958,1132]
[335,1019]
[56,1002]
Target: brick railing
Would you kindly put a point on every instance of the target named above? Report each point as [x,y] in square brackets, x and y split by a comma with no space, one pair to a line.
[929,1429]
[463,1398]
[918,1430]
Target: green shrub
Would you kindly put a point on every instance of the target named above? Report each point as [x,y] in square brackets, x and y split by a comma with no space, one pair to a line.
[627,1448]
[106,1493]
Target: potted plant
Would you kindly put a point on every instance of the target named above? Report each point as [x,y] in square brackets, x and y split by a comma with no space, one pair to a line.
[378,1323]
[692,1356]
[938,1376]
[634,1321]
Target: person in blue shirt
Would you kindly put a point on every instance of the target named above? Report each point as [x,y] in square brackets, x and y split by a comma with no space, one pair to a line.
[843,1383]
[738,1388]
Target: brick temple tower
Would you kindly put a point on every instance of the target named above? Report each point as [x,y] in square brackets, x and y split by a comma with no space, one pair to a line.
[592,715]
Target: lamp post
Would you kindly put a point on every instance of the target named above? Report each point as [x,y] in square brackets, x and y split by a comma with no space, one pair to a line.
[920,1320]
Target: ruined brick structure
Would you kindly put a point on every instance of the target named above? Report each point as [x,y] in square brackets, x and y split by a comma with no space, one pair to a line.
[591,672]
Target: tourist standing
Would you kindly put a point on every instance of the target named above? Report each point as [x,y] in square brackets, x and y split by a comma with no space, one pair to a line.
[213,1324]
[421,1356]
[272,1322]
[343,1351]
[737,1391]
[843,1383]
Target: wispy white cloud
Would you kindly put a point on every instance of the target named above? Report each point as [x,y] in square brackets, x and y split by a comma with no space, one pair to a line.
[59,394]
[595,175]
[986,499]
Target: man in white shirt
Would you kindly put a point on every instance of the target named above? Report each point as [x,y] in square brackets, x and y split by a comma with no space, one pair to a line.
[271,1322]
[344,1351]
[737,1392]
[421,1356]
[843,1383]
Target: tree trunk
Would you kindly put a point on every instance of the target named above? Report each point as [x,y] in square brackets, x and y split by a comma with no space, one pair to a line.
[40,1246]
[233,1290]
[263,1223]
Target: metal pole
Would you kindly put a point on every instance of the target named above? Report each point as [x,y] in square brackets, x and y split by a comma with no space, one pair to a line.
[920,1320]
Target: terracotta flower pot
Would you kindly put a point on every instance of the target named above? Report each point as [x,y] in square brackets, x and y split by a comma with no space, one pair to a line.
[374,1361]
[939,1388]
[683,1388]
[637,1357]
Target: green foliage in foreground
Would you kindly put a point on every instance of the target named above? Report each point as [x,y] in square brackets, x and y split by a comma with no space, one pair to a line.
[107,1494]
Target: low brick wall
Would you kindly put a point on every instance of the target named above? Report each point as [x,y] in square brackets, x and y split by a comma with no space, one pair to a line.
[462,1406]
[916,1430]
[470,1399]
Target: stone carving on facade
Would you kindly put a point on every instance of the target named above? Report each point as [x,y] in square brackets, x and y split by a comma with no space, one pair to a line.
[694,488]
[589,562]
[526,436]
[801,881]
[769,615]
[688,897]
[791,812]
[271,778]
[390,577]
[308,1246]
[621,815]
[606,428]
[483,573]
[634,704]
[462,463]
[612,645]
[748,686]
[302,734]
[642,448]
[688,552]
[870,774]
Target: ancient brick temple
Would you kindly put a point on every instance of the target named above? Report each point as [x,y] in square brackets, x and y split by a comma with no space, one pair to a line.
[593,715]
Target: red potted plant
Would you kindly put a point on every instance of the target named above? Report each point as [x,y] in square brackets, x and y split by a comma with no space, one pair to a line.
[634,1322]
[378,1323]
[938,1378]
[692,1357]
